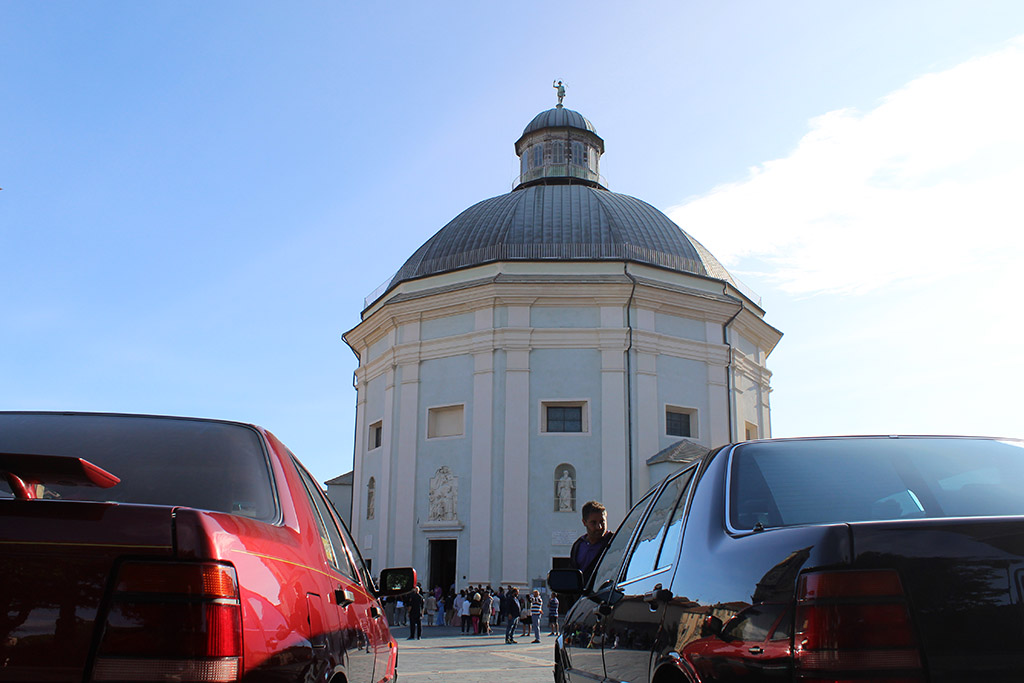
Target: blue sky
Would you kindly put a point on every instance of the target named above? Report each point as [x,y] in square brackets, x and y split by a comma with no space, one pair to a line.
[198,195]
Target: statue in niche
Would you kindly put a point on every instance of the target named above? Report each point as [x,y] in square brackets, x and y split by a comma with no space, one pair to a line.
[444,495]
[371,494]
[564,489]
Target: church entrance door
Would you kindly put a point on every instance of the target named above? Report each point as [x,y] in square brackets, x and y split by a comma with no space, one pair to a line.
[442,563]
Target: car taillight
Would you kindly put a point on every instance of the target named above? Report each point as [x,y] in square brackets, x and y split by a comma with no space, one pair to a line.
[172,622]
[855,626]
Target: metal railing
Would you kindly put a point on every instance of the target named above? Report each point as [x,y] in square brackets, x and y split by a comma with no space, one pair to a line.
[560,171]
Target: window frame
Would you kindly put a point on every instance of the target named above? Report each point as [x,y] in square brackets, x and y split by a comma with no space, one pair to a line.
[582,404]
[747,427]
[578,153]
[438,410]
[682,410]
[680,504]
[612,578]
[339,558]
[375,435]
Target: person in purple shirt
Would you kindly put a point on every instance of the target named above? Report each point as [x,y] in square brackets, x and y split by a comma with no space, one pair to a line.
[590,545]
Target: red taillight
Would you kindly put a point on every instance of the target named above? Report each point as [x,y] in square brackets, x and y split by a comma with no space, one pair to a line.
[172,622]
[852,624]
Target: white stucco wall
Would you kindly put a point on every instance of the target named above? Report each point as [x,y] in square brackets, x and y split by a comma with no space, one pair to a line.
[500,350]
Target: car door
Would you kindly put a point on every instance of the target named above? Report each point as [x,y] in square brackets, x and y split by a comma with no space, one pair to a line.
[635,614]
[377,626]
[583,631]
[346,607]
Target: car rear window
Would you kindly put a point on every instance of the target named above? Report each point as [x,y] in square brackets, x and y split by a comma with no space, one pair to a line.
[204,464]
[785,483]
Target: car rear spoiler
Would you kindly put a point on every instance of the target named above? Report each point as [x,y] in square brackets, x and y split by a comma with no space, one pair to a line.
[24,471]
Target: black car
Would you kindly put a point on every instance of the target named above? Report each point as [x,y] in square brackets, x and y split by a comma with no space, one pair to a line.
[896,559]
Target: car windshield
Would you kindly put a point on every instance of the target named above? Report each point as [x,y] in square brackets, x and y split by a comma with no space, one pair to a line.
[821,481]
[204,464]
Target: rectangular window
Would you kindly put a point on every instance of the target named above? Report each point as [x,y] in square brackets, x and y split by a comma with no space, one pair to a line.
[557,152]
[564,417]
[188,462]
[578,157]
[829,481]
[750,431]
[376,435]
[445,421]
[680,421]
[661,532]
[330,537]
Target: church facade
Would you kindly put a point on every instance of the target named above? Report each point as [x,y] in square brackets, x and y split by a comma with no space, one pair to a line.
[549,346]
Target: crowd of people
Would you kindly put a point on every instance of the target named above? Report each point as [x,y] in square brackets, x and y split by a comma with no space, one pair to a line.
[478,610]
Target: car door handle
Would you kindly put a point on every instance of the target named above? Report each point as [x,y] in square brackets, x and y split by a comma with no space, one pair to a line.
[344,597]
[755,650]
[375,612]
[657,596]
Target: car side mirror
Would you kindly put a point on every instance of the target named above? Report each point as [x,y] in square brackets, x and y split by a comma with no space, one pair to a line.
[712,626]
[567,581]
[397,580]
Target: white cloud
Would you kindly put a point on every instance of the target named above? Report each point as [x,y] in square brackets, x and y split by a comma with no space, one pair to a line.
[930,182]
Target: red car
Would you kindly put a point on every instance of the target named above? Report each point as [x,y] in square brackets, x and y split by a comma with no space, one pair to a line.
[145,548]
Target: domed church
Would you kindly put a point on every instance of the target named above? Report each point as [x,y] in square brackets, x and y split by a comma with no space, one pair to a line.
[549,346]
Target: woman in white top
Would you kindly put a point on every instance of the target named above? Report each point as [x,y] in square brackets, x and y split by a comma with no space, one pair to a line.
[467,623]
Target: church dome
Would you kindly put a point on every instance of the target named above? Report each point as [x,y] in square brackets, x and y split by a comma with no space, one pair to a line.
[560,222]
[560,210]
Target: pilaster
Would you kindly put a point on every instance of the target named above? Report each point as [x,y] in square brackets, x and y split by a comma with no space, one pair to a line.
[719,401]
[405,459]
[481,511]
[517,464]
[358,511]
[615,476]
[647,417]
[383,503]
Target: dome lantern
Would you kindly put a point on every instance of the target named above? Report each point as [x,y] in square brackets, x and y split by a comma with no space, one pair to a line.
[560,146]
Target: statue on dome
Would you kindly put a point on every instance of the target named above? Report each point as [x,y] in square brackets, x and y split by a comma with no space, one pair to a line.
[560,87]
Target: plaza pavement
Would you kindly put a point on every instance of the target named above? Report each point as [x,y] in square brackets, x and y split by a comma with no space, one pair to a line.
[444,653]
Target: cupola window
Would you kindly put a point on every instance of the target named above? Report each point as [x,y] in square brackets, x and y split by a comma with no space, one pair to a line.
[557,152]
[538,156]
[579,156]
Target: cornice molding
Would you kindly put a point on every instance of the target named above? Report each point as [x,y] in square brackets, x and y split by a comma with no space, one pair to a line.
[527,339]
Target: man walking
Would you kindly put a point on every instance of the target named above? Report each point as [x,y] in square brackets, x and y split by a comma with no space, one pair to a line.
[553,615]
[512,598]
[414,604]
